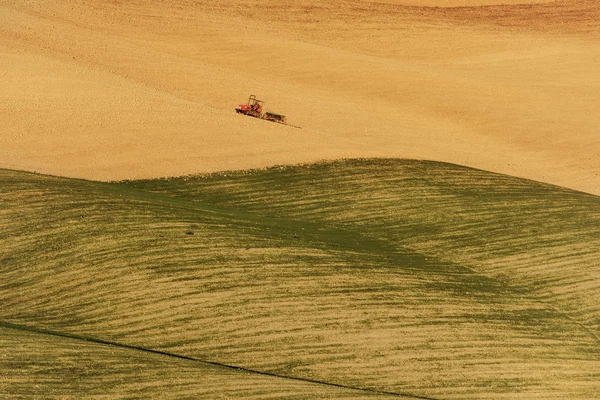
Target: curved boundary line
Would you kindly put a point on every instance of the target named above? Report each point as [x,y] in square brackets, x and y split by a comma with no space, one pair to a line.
[89,339]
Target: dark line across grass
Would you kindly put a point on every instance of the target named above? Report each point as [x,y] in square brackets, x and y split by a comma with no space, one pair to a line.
[90,339]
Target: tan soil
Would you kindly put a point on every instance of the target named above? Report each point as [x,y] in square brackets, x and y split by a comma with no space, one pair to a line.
[113,89]
[456,3]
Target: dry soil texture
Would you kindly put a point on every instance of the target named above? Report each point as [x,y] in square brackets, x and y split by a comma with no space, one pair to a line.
[146,88]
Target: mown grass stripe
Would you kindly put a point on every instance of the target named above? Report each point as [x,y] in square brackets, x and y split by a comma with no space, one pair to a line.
[472,217]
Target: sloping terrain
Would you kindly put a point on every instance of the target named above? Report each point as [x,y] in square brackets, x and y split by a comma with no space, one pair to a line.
[337,280]
[42,365]
[146,88]
[527,234]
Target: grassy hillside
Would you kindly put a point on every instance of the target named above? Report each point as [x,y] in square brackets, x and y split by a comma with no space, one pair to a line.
[529,235]
[339,280]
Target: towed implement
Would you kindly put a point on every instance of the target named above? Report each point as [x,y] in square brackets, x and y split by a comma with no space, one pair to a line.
[254,108]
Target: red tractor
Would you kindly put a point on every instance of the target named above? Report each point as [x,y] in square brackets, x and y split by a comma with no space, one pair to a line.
[254,108]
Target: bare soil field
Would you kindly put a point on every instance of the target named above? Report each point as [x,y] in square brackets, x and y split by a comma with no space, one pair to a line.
[112,89]
[455,3]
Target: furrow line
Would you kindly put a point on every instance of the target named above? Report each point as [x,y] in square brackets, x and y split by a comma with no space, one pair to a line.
[90,339]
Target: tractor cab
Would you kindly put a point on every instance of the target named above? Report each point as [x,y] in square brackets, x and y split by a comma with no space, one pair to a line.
[253,107]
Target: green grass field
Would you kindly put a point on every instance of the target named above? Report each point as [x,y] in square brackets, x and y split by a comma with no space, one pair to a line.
[350,279]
